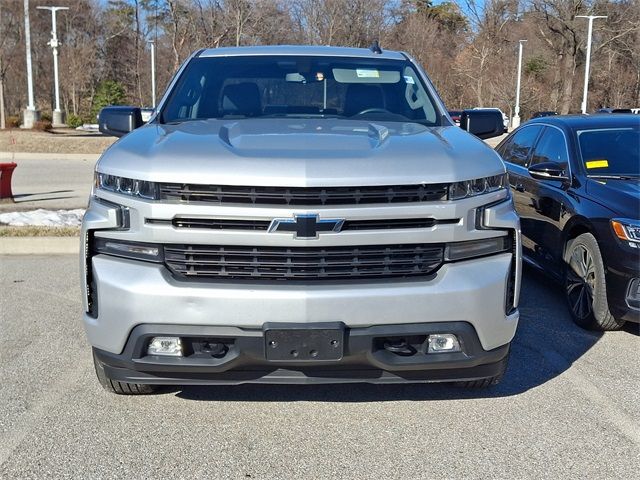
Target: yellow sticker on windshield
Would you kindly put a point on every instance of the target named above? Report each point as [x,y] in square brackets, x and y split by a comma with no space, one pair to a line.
[597,164]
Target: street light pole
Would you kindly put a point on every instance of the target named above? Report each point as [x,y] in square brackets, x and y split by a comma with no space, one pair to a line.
[54,44]
[153,73]
[588,63]
[515,121]
[30,114]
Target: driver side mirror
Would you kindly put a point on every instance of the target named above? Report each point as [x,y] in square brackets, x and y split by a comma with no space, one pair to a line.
[547,171]
[118,121]
[482,123]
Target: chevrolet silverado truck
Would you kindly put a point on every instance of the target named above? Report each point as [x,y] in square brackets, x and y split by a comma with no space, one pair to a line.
[299,215]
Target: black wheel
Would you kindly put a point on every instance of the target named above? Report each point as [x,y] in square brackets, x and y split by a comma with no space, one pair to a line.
[486,382]
[121,388]
[585,285]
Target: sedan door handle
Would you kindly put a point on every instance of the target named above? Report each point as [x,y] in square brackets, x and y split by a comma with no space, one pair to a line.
[519,187]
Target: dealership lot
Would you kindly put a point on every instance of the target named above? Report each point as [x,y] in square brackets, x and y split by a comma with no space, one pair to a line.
[569,406]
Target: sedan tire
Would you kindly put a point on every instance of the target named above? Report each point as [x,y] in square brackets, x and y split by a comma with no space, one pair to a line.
[585,285]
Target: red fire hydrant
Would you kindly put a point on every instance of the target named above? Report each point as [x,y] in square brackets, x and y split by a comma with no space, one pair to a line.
[6,170]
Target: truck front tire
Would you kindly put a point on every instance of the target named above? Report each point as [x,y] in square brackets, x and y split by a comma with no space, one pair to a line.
[120,388]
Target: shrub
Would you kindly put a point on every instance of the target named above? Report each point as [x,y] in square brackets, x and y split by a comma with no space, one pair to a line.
[42,125]
[45,117]
[74,121]
[12,122]
[109,92]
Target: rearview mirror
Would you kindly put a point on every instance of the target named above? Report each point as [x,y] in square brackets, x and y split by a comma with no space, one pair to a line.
[482,123]
[547,171]
[118,121]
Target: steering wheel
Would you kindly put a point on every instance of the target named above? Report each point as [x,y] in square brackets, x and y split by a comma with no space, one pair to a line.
[372,110]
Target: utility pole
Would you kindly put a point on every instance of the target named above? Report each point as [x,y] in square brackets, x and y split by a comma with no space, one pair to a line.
[30,114]
[153,72]
[588,63]
[58,117]
[515,121]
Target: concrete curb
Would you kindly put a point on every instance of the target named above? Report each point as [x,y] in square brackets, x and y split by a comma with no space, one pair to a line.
[12,156]
[39,245]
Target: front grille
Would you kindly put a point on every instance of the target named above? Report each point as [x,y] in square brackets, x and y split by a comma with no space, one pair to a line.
[313,196]
[303,263]
[385,224]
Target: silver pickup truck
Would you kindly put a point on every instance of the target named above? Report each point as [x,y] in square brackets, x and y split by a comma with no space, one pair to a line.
[299,215]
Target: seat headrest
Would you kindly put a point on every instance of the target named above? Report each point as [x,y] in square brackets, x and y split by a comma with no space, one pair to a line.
[241,99]
[361,96]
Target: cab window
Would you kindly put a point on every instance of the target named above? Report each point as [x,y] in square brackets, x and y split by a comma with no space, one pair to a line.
[517,150]
[551,147]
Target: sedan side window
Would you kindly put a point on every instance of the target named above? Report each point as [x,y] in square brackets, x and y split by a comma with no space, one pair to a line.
[518,149]
[552,147]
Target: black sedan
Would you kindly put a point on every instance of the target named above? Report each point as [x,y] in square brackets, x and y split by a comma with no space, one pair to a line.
[576,185]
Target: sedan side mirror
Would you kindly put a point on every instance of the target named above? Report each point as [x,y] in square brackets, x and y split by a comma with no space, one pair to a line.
[482,123]
[118,121]
[547,171]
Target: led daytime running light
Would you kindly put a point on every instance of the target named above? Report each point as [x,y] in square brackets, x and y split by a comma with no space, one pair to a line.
[126,186]
[478,186]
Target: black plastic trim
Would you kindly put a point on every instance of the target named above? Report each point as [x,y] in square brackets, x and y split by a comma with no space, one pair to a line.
[245,361]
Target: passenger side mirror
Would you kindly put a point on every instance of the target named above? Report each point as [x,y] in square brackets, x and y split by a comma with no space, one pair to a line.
[118,121]
[547,171]
[482,123]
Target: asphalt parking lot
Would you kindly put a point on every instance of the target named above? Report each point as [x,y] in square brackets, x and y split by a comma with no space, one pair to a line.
[569,407]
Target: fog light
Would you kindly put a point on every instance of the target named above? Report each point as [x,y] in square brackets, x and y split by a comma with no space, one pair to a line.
[169,346]
[443,342]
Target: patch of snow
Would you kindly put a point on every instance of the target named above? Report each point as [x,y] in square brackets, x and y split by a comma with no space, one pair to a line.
[88,127]
[43,218]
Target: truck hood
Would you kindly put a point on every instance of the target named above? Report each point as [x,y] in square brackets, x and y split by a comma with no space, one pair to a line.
[296,152]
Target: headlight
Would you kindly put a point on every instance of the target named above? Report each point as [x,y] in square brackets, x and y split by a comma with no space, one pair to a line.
[134,250]
[627,230]
[126,186]
[478,186]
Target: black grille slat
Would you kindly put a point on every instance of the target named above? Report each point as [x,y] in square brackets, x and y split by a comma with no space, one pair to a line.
[263,225]
[308,196]
[308,263]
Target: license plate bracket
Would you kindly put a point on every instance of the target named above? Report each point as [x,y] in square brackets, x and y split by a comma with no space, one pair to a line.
[304,343]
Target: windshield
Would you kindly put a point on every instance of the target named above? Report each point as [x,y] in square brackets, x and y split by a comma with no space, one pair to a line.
[274,86]
[611,151]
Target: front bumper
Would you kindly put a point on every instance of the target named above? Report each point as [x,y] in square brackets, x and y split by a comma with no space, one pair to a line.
[132,293]
[364,360]
[622,292]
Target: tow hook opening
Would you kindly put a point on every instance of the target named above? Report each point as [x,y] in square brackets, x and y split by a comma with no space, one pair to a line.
[207,347]
[402,346]
[399,347]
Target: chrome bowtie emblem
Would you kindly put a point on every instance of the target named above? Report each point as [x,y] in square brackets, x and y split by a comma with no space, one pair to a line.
[305,226]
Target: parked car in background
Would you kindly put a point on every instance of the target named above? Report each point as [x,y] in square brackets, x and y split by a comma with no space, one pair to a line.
[548,113]
[576,185]
[455,116]
[505,118]
[614,110]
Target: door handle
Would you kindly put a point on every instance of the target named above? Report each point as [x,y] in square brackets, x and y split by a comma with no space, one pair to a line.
[519,187]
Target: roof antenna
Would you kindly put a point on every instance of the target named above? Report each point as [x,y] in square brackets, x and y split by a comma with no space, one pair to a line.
[375,47]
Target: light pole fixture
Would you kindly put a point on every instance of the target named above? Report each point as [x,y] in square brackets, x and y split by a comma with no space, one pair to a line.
[588,63]
[30,114]
[54,44]
[153,72]
[515,121]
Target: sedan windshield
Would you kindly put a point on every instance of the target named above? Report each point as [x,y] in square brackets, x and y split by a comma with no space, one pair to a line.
[241,87]
[611,152]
